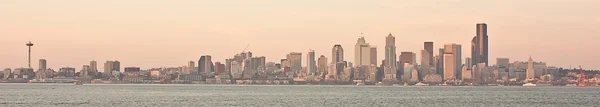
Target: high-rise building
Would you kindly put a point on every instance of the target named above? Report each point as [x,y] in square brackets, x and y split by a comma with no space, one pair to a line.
[362,51]
[108,66]
[425,64]
[261,61]
[479,47]
[93,67]
[322,66]
[530,70]
[228,65]
[428,47]
[405,57]
[190,68]
[408,57]
[311,64]
[84,71]
[390,59]
[295,59]
[116,66]
[337,61]
[455,50]
[468,63]
[440,62]
[236,69]
[42,64]
[407,69]
[449,66]
[374,56]
[458,56]
[205,64]
[337,54]
[219,68]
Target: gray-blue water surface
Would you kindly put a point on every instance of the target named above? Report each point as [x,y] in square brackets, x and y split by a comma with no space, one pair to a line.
[115,95]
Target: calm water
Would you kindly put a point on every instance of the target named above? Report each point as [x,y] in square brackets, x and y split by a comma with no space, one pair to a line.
[61,95]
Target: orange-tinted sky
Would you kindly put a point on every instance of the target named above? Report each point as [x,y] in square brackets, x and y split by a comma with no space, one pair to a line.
[162,33]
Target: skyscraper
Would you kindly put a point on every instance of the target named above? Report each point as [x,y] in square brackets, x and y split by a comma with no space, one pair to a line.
[295,59]
[362,51]
[405,57]
[458,56]
[390,59]
[440,62]
[42,65]
[428,47]
[322,66]
[311,64]
[261,61]
[84,71]
[108,66]
[455,50]
[427,60]
[449,66]
[191,67]
[219,68]
[116,66]
[479,47]
[530,69]
[205,64]
[425,64]
[93,67]
[374,56]
[337,54]
[468,63]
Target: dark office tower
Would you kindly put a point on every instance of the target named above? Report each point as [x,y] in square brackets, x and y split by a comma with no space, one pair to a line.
[116,66]
[440,62]
[479,47]
[429,48]
[205,64]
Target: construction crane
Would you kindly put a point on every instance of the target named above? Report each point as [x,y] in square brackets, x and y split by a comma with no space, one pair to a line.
[245,48]
[582,78]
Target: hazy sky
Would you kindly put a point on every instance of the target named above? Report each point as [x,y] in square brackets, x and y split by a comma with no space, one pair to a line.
[163,33]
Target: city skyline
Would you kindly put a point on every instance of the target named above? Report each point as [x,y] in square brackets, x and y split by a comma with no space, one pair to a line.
[73,45]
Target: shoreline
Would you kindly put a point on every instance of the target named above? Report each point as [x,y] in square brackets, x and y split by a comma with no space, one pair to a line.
[286,85]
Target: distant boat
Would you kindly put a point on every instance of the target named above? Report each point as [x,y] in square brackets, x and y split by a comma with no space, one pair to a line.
[395,85]
[421,84]
[571,85]
[529,85]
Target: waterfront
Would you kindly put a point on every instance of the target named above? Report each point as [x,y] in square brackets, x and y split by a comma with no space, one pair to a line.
[60,95]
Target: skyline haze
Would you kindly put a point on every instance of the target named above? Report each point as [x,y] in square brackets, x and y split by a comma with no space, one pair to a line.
[153,33]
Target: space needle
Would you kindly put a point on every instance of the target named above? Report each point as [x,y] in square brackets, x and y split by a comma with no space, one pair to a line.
[29,54]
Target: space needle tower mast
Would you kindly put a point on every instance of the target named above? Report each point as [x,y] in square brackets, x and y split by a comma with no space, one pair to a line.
[29,53]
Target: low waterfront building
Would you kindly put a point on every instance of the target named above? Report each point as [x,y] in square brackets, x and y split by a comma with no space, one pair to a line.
[191,77]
